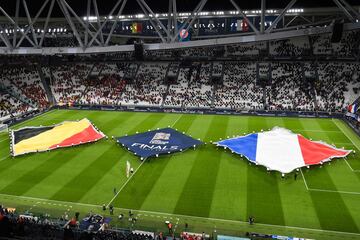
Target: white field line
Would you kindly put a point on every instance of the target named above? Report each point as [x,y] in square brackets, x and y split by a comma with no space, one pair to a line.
[309,130]
[333,191]
[2,159]
[346,134]
[240,222]
[40,115]
[176,120]
[127,181]
[4,140]
[48,200]
[307,188]
[350,166]
[348,143]
[351,141]
[324,190]
[179,215]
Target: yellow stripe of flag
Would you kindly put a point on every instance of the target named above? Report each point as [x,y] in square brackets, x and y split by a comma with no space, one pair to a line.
[45,140]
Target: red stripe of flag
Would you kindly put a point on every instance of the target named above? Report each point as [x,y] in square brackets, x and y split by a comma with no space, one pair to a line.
[314,153]
[88,134]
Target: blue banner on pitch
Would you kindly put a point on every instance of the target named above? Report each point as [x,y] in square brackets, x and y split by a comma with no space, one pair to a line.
[157,142]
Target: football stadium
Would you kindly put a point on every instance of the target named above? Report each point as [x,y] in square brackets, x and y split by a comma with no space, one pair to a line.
[206,119]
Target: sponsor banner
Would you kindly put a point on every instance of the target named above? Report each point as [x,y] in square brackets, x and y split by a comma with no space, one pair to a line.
[154,143]
[184,35]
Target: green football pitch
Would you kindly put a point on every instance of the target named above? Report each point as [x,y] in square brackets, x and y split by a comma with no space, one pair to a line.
[209,188]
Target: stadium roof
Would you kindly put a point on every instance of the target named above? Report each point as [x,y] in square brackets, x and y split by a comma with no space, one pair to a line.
[161,6]
[95,25]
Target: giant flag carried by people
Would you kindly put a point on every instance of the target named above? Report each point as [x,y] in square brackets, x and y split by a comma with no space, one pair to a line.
[157,142]
[282,150]
[43,138]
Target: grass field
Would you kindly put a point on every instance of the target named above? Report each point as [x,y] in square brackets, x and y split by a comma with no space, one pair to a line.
[207,187]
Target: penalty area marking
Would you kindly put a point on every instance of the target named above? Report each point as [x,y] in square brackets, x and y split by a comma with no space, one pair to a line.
[325,190]
[178,215]
[350,166]
[307,188]
[337,125]
[333,191]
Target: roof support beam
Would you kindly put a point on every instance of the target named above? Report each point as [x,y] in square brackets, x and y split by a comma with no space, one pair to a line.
[175,17]
[293,19]
[106,20]
[17,8]
[87,22]
[191,19]
[348,6]
[154,16]
[345,11]
[71,23]
[46,22]
[30,22]
[243,15]
[16,27]
[98,22]
[115,22]
[33,22]
[263,10]
[283,12]
[152,22]
[169,20]
[79,20]
[5,39]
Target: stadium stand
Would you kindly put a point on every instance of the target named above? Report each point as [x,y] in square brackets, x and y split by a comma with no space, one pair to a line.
[286,91]
[147,88]
[11,107]
[308,85]
[25,81]
[69,81]
[239,90]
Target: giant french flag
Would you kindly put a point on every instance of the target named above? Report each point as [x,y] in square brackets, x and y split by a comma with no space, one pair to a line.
[282,150]
[352,108]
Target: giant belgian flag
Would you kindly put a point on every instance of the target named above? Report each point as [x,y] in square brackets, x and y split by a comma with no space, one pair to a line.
[65,134]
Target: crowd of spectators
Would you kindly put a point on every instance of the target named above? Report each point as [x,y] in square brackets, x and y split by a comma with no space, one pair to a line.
[14,225]
[306,86]
[239,89]
[347,47]
[25,81]
[11,107]
[250,49]
[69,81]
[147,88]
[193,88]
[291,47]
[337,85]
[188,83]
[286,91]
